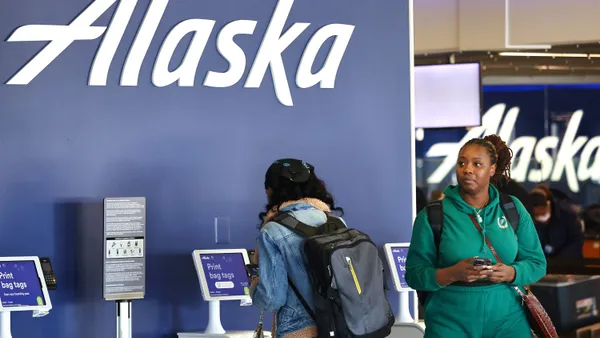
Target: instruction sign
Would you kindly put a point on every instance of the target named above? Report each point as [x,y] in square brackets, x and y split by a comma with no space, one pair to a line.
[124,248]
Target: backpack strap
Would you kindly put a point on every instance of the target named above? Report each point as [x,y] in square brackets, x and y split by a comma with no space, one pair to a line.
[435,215]
[510,211]
[295,225]
[310,312]
[333,223]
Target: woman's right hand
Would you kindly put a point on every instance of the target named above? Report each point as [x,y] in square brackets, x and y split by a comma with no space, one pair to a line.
[464,271]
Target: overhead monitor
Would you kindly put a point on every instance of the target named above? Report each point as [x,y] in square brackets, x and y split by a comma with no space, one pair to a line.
[22,285]
[222,274]
[448,95]
[396,254]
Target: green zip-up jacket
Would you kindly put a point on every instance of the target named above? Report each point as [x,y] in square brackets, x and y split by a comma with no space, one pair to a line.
[461,239]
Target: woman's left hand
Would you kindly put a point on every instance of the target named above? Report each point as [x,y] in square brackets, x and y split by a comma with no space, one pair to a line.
[254,282]
[500,273]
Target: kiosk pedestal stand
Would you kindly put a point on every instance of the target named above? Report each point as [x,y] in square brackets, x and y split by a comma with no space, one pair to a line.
[214,318]
[406,326]
[404,308]
[5,325]
[124,319]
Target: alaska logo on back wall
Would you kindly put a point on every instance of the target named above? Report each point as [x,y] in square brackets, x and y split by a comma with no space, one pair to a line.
[555,155]
[274,42]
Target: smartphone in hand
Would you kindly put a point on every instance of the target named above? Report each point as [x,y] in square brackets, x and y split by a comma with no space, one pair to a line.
[252,256]
[482,262]
[252,270]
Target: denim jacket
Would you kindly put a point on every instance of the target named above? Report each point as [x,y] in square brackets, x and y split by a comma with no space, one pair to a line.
[281,255]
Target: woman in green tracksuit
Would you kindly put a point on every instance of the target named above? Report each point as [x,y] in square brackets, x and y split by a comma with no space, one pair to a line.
[457,307]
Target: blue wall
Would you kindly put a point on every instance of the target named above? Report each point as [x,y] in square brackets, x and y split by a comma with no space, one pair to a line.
[194,152]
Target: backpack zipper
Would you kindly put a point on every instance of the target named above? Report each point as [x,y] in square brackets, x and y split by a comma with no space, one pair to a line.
[351,268]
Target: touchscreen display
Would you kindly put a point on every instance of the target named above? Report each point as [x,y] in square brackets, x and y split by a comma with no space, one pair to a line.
[225,274]
[399,256]
[20,285]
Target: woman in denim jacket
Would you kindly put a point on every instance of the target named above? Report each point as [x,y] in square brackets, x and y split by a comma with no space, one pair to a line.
[292,187]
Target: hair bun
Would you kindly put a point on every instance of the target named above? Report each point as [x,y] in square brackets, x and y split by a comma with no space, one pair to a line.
[496,141]
[503,158]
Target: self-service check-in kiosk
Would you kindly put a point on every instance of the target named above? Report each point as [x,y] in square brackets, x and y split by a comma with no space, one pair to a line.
[405,326]
[22,288]
[222,276]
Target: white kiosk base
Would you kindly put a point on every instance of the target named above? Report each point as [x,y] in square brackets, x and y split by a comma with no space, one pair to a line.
[5,326]
[5,331]
[214,318]
[215,328]
[404,309]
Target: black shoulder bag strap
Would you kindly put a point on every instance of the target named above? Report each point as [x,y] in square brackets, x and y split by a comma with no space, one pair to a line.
[293,224]
[435,215]
[510,211]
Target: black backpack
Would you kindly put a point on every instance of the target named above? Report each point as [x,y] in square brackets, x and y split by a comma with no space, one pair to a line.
[435,215]
[347,279]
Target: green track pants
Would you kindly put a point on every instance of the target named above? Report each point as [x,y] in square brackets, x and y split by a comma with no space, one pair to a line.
[476,312]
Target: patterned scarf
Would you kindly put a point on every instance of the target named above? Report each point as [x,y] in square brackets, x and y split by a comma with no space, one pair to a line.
[316,203]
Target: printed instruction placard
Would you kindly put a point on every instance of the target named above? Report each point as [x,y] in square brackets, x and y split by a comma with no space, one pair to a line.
[124,248]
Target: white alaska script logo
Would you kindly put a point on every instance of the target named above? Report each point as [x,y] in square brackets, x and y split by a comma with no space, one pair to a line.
[274,42]
[526,147]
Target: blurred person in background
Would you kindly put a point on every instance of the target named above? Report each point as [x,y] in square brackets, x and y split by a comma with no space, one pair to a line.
[517,190]
[559,197]
[591,219]
[558,227]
